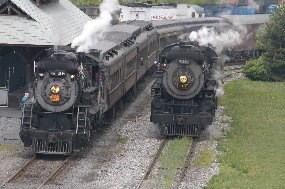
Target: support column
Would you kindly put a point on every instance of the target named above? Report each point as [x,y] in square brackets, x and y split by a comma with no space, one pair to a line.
[28,73]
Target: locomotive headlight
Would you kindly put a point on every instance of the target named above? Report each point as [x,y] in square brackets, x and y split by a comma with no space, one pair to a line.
[72,76]
[183,79]
[55,89]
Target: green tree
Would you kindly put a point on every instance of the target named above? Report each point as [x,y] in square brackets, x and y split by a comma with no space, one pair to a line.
[271,40]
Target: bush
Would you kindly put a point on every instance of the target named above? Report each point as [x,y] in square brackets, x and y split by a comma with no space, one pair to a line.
[257,70]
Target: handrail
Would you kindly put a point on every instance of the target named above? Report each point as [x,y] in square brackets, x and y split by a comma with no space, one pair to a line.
[77,120]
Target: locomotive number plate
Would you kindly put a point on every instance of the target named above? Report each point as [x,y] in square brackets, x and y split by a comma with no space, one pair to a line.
[183,85]
[183,61]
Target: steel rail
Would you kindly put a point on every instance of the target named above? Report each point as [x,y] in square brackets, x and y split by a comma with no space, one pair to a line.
[187,161]
[153,162]
[49,177]
[56,171]
[20,172]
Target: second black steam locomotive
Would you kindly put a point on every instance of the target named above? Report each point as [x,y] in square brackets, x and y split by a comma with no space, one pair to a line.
[184,93]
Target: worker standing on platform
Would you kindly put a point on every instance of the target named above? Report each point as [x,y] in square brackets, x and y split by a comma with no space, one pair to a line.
[23,100]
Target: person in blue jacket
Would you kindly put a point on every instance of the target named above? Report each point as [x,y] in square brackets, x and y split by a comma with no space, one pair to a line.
[24,99]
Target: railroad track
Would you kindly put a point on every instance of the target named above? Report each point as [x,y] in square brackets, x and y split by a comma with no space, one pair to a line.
[38,172]
[187,162]
[183,170]
[234,63]
[153,162]
[229,71]
[233,68]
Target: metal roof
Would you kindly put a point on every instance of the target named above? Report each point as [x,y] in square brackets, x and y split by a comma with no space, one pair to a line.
[105,46]
[248,19]
[19,30]
[116,35]
[198,9]
[124,28]
[186,21]
[51,24]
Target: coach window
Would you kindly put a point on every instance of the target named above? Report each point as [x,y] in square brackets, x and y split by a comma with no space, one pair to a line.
[163,42]
[115,79]
[131,65]
[172,39]
[152,47]
[143,55]
[193,14]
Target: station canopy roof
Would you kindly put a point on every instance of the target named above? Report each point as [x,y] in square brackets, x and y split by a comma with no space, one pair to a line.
[24,23]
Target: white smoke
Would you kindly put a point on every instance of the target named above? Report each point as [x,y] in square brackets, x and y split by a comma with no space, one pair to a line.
[218,76]
[94,30]
[208,36]
[219,41]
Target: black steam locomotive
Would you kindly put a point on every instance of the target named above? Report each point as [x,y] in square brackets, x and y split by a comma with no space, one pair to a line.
[73,92]
[55,119]
[184,93]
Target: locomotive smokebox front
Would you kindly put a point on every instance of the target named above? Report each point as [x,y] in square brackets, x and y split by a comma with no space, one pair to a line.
[57,88]
[183,79]
[56,93]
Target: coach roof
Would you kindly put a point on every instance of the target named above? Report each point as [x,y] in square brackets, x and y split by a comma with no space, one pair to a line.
[248,19]
[117,35]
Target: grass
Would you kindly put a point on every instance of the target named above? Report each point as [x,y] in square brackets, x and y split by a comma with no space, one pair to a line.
[205,158]
[7,147]
[171,160]
[122,139]
[253,154]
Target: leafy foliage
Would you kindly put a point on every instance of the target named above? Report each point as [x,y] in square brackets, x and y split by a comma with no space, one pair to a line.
[257,70]
[271,40]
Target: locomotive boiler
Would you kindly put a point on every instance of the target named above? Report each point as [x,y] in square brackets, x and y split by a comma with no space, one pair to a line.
[184,93]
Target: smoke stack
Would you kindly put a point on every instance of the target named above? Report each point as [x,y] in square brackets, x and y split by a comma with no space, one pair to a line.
[94,29]
[115,17]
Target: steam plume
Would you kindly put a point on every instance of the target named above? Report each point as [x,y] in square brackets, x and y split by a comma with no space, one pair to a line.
[208,36]
[94,30]
[219,41]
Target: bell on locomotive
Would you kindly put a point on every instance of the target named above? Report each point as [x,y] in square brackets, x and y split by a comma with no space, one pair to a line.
[56,122]
[183,94]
